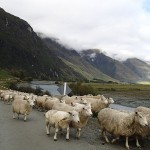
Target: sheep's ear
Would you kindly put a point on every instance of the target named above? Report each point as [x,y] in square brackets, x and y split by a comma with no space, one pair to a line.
[72,104]
[64,118]
[70,113]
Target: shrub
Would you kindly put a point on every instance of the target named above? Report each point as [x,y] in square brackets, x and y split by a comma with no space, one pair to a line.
[80,89]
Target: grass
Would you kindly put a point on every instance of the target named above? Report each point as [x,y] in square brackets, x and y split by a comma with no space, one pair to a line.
[6,79]
[120,87]
[123,91]
[5,75]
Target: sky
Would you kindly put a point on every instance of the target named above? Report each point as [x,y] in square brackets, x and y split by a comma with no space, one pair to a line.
[120,28]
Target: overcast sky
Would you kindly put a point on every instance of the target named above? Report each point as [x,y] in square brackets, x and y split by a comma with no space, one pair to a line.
[121,28]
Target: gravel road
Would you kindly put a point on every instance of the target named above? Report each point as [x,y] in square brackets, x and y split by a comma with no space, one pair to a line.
[31,135]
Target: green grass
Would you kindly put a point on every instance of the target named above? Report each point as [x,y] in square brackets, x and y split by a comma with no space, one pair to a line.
[120,87]
[5,74]
[6,79]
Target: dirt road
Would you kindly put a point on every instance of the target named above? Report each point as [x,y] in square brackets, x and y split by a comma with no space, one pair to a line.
[30,135]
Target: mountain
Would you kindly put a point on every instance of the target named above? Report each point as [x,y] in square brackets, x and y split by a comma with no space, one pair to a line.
[72,58]
[23,52]
[109,66]
[141,68]
[21,49]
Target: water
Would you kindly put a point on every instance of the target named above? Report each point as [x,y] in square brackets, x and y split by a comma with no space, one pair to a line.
[120,107]
[49,86]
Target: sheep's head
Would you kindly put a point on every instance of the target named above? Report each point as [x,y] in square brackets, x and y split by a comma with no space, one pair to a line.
[110,100]
[74,116]
[141,118]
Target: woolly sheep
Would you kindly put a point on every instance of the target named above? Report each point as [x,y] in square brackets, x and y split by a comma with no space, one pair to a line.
[73,99]
[40,102]
[97,104]
[23,107]
[84,114]
[60,120]
[50,102]
[141,131]
[120,123]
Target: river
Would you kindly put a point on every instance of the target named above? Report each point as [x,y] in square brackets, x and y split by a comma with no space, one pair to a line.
[49,86]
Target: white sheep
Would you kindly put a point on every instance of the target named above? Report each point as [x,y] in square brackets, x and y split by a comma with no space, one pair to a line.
[119,123]
[40,102]
[23,107]
[84,114]
[97,104]
[48,105]
[73,99]
[62,107]
[60,120]
[141,131]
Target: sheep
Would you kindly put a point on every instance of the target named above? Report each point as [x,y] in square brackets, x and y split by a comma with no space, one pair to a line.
[40,102]
[6,98]
[48,105]
[73,99]
[60,120]
[141,131]
[23,107]
[120,123]
[97,104]
[84,114]
[63,107]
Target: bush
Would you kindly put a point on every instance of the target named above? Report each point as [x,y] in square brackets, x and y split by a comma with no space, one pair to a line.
[28,89]
[80,89]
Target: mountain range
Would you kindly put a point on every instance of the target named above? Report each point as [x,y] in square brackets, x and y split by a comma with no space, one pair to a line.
[23,50]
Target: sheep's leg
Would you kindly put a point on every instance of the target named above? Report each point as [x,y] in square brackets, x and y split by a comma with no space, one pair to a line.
[105,136]
[114,140]
[127,144]
[137,143]
[67,135]
[78,133]
[25,117]
[14,115]
[56,131]
[18,116]
[47,128]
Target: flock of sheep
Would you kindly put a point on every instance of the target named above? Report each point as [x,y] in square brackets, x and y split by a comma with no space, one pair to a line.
[74,112]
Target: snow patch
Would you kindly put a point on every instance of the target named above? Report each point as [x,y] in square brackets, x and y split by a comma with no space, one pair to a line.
[92,56]
[29,29]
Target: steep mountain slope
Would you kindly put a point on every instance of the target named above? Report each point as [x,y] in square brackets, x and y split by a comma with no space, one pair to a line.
[109,66]
[71,58]
[142,69]
[21,49]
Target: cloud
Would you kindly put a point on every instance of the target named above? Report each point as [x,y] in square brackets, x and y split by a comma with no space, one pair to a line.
[121,28]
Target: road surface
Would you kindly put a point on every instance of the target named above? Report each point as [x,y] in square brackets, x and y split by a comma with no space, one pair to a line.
[31,135]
